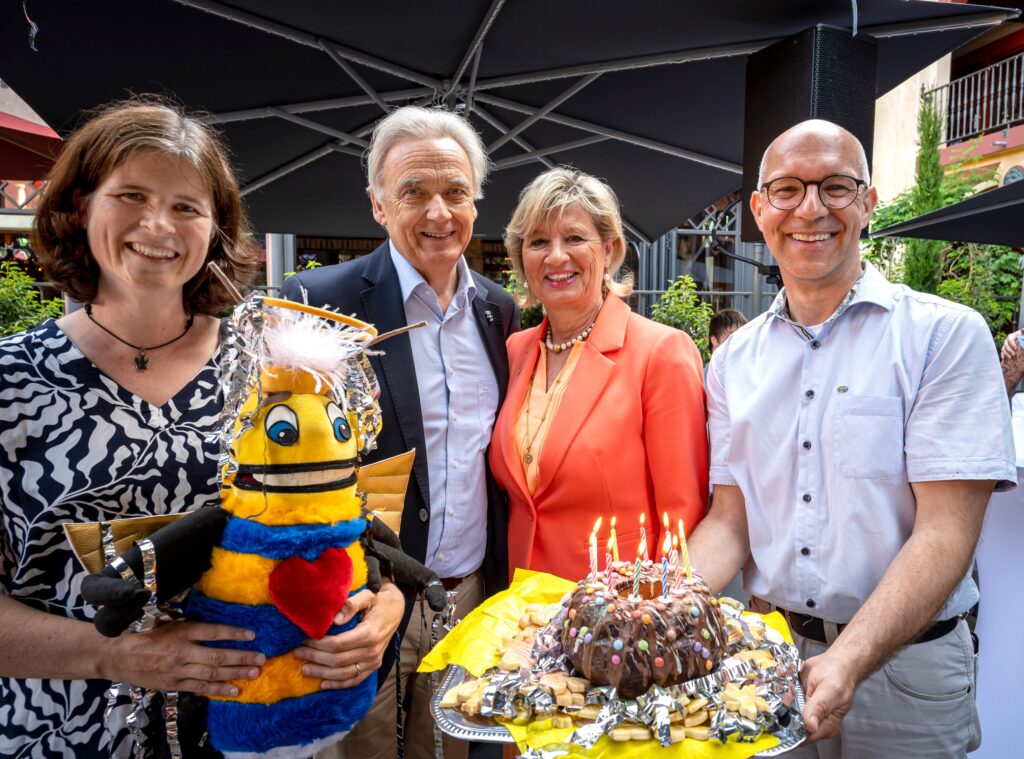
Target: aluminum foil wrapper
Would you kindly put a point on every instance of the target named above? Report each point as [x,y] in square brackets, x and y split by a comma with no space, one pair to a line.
[612,714]
[499,697]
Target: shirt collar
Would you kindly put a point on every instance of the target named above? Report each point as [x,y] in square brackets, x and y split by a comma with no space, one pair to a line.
[870,287]
[410,280]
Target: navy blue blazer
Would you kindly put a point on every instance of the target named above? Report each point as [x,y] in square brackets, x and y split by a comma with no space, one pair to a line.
[368,289]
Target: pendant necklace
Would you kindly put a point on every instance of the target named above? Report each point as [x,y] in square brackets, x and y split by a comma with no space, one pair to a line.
[142,360]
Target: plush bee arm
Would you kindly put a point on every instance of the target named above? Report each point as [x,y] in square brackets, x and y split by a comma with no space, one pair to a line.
[384,556]
[183,550]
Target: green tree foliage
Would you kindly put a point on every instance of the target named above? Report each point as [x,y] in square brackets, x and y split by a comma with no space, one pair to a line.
[681,308]
[922,262]
[985,277]
[530,316]
[20,305]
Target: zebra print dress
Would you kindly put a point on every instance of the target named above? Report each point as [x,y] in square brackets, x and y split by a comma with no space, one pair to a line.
[75,446]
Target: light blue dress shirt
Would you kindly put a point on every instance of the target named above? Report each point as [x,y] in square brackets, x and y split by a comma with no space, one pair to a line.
[823,429]
[458,400]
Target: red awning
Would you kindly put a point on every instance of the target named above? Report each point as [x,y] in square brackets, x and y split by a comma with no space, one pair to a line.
[27,149]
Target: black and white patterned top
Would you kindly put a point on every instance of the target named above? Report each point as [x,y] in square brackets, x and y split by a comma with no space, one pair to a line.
[77,447]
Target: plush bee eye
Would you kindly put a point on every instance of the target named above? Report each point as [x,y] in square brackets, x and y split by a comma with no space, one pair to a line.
[339,423]
[282,425]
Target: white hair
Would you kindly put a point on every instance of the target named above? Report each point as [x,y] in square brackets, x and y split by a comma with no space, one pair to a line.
[413,122]
[820,125]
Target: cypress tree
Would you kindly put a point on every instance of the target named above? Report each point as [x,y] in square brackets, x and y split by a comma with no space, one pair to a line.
[922,265]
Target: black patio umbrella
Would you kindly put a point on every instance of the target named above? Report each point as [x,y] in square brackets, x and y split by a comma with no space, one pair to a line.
[995,217]
[648,95]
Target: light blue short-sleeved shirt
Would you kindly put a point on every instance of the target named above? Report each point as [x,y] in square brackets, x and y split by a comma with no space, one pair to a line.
[823,430]
[458,400]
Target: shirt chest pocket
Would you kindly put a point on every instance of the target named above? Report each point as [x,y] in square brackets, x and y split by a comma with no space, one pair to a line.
[868,440]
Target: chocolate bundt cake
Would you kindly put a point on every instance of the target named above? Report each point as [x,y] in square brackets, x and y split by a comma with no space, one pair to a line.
[635,641]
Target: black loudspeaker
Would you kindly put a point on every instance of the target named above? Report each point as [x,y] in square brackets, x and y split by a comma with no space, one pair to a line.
[821,73]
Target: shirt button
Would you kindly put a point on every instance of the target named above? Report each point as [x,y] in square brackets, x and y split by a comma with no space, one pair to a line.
[455,416]
[809,393]
[805,551]
[455,464]
[842,389]
[807,497]
[451,371]
[811,603]
[424,515]
[807,445]
[441,556]
[451,511]
[815,344]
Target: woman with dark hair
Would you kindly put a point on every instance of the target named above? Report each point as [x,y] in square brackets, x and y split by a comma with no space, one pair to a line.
[108,412]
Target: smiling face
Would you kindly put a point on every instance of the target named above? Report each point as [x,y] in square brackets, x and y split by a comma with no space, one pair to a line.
[149,225]
[427,204]
[815,246]
[296,462]
[564,261]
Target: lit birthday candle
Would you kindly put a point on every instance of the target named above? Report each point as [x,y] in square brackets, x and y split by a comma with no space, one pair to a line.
[666,546]
[593,550]
[614,543]
[685,553]
[608,567]
[636,576]
[642,551]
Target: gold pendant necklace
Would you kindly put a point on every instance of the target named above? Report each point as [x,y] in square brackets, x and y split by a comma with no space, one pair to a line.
[531,439]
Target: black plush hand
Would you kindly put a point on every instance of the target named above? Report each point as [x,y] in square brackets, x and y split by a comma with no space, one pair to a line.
[119,601]
[183,549]
[382,545]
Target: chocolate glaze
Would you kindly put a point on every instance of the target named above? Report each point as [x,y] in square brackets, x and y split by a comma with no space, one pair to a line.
[679,643]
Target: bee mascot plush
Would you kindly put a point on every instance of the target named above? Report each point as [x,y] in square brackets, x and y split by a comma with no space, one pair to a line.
[290,539]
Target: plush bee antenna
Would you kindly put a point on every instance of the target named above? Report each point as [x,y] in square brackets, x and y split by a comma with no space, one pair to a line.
[219,274]
[394,332]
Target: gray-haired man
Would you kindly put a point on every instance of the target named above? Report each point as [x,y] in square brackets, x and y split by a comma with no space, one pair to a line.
[441,386]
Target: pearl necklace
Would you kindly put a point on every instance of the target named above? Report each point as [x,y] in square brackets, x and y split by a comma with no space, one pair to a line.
[559,347]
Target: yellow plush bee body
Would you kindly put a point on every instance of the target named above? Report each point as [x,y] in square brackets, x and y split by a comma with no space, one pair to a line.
[290,553]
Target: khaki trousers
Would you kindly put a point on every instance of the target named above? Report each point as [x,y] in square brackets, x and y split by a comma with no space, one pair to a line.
[919,704]
[375,737]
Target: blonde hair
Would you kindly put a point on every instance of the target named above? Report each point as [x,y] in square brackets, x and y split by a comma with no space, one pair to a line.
[555,191]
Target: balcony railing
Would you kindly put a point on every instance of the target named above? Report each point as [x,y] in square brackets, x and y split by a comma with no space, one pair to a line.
[984,101]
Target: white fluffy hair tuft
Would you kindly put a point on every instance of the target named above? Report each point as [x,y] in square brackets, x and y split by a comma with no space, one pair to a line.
[302,342]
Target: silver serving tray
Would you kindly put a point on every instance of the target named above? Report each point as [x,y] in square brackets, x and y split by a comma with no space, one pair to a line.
[486,730]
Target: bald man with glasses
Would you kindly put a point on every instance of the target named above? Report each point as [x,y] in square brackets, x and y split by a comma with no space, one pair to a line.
[857,431]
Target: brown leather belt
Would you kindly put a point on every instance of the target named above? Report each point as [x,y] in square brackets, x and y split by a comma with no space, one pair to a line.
[451,583]
[814,627]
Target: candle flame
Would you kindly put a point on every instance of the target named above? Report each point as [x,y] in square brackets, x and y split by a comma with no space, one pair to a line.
[682,531]
[643,519]
[665,521]
[597,526]
[666,546]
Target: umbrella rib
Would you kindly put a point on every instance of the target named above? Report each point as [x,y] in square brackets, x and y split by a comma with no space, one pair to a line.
[288,168]
[248,114]
[494,122]
[305,38]
[354,75]
[617,134]
[519,160]
[625,64]
[732,50]
[468,94]
[541,112]
[474,46]
[317,127]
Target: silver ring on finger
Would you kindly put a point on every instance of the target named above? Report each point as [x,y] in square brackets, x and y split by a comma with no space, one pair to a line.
[357,671]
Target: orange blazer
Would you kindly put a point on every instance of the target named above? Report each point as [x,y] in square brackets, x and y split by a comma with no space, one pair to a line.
[629,437]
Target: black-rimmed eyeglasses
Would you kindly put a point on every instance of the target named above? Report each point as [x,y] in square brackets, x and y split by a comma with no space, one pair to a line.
[835,191]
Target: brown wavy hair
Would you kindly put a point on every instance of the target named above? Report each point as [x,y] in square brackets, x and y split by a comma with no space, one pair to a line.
[111,136]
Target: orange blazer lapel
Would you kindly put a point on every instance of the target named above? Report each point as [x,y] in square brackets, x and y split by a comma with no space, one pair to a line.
[592,374]
[521,370]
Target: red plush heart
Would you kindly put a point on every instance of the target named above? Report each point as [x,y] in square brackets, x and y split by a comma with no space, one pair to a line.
[311,593]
